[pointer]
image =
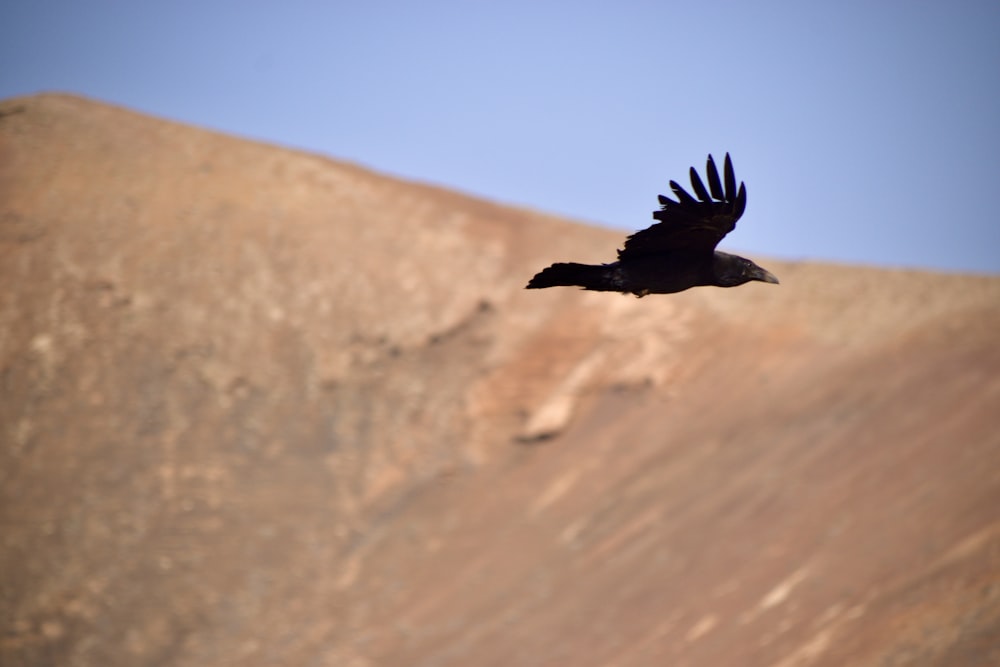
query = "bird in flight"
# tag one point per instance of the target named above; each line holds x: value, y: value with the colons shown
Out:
x: 678, y: 251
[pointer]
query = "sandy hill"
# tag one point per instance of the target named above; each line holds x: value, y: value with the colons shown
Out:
x: 265, y: 408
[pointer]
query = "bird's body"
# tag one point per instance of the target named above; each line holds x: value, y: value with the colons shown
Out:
x: 676, y: 253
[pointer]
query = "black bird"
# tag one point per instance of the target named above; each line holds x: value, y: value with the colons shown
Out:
x: 677, y: 252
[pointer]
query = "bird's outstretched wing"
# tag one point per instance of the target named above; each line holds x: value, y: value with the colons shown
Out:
x: 691, y: 224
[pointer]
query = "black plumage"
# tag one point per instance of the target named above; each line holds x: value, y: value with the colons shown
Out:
x: 678, y: 251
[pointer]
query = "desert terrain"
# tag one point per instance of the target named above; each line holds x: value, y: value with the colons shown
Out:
x: 261, y: 407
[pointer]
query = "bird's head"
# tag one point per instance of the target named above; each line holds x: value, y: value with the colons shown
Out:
x: 732, y: 270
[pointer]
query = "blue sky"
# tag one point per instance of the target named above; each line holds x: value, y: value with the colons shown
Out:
x: 866, y: 132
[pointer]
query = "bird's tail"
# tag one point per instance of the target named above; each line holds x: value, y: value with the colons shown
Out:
x: 587, y: 276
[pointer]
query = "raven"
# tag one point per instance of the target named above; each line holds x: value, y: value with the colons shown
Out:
x: 677, y: 252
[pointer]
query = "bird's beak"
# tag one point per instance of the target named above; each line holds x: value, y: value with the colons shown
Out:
x: 766, y: 276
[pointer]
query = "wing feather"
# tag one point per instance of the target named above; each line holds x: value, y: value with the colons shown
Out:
x: 699, y: 187
x: 682, y: 194
x: 689, y: 224
x: 713, y: 179
x: 730, y: 179
x: 740, y: 204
